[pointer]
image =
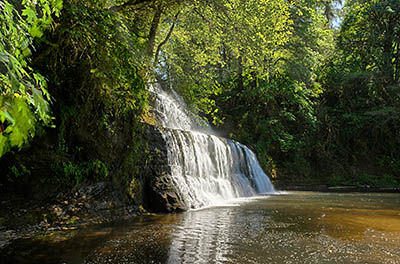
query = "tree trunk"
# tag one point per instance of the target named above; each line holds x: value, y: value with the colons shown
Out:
x: 388, y: 69
x: 166, y: 39
x: 240, y: 74
x: 153, y: 31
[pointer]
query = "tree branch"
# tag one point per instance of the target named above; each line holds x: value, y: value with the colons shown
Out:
x: 130, y: 3
x: 166, y: 38
x: 153, y: 31
x: 2, y: 127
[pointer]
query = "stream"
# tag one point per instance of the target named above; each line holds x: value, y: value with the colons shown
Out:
x: 290, y: 227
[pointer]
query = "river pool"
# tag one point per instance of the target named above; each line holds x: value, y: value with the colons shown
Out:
x: 291, y: 227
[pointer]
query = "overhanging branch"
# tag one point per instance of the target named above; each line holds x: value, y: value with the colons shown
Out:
x: 162, y: 43
x: 130, y: 3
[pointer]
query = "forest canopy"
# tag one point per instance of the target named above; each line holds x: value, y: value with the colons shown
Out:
x: 317, y: 99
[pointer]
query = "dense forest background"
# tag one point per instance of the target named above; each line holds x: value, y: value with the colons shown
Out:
x: 312, y: 86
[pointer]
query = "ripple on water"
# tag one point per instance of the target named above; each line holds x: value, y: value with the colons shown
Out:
x: 295, y: 227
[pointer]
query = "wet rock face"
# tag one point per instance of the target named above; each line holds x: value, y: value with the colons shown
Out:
x: 82, y: 205
x: 159, y: 193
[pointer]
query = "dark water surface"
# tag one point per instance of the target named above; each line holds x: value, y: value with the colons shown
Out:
x: 295, y: 227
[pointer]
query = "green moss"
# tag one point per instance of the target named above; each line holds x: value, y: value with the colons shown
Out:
x: 135, y: 191
x: 68, y: 172
x: 364, y: 179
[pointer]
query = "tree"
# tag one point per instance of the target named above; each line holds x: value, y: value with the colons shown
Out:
x: 24, y: 100
x: 310, y: 44
x: 330, y: 9
x: 145, y: 18
x: 359, y: 111
x: 370, y: 38
x: 214, y: 40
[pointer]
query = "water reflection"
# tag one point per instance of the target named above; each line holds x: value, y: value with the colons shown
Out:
x: 290, y: 228
x: 203, y: 237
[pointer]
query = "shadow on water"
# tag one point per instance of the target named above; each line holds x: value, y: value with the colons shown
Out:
x: 296, y: 227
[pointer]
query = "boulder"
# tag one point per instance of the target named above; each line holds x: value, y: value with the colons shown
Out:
x: 159, y: 192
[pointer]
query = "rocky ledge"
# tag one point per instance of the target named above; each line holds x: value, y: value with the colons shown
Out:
x: 348, y: 188
x: 63, y: 210
x: 38, y: 207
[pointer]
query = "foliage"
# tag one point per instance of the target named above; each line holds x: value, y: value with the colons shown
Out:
x: 215, y: 39
x: 24, y: 99
x: 359, y: 111
x: 96, y: 48
x: 312, y: 100
x: 68, y: 172
x: 144, y: 19
x: 375, y: 48
x: 275, y: 116
x: 17, y: 173
x: 135, y: 191
x: 310, y: 44
x: 95, y: 73
x: 253, y: 74
x: 387, y: 180
x: 306, y: 96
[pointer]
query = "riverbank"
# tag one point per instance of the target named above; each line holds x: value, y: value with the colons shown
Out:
x: 301, y: 227
x: 344, y: 189
x: 53, y: 208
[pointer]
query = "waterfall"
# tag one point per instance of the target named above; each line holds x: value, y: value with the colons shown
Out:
x: 205, y: 169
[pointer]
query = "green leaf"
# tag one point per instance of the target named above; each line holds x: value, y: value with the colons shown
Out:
x: 5, y: 115
x: 3, y: 144
x: 24, y: 98
x: 36, y: 31
x: 30, y: 14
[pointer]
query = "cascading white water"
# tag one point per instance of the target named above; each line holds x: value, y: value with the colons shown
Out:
x: 169, y: 110
x: 205, y: 169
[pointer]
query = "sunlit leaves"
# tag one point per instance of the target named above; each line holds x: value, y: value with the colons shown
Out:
x: 108, y: 52
x: 370, y: 37
x: 211, y: 37
x: 24, y: 98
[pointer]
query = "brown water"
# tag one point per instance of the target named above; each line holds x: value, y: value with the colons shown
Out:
x: 296, y: 227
